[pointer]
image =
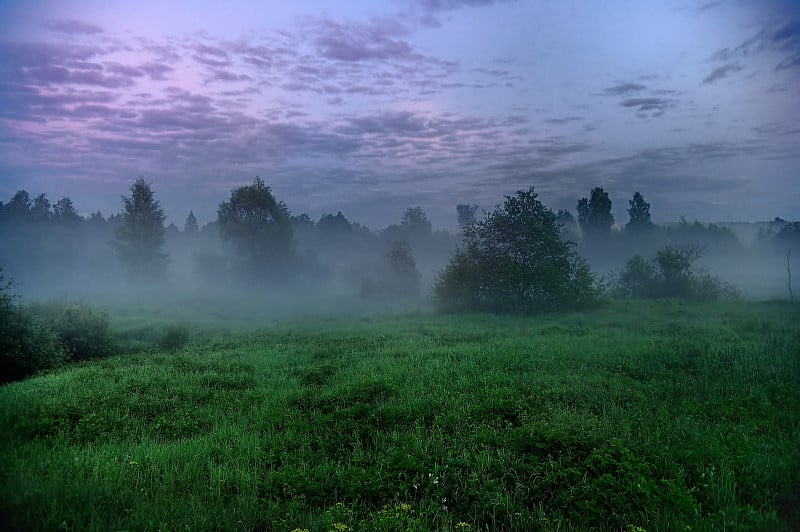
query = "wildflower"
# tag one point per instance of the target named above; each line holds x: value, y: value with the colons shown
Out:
x: 461, y: 525
x: 340, y: 527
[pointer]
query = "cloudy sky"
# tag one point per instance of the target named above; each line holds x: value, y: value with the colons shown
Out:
x: 371, y: 106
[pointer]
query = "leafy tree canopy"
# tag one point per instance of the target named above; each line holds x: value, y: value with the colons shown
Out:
x: 139, y: 236
x: 515, y: 260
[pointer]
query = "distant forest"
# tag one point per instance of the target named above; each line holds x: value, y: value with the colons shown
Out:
x: 50, y: 249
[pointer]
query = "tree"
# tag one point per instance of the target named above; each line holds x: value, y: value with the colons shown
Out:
x: 64, y: 212
x: 639, y: 213
x: 139, y: 236
x: 415, y: 222
x: 515, y: 261
x: 19, y: 207
x: 594, y: 214
x: 258, y: 226
x: 569, y: 228
x: 41, y: 209
x: 190, y: 227
x: 466, y: 215
x: 404, y: 278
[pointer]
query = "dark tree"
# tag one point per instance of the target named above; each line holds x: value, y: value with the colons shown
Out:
x: 139, y: 235
x: 190, y: 227
x: 258, y: 226
x: 594, y: 214
x: 404, y: 279
x: 639, y: 213
x: 415, y: 222
x: 41, y: 209
x: 466, y: 215
x: 331, y: 225
x: 19, y: 207
x: 64, y: 213
x: 569, y: 228
x: 515, y: 261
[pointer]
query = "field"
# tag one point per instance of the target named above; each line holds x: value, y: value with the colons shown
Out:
x: 654, y: 416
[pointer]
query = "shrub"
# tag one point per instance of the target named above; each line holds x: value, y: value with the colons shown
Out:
x: 82, y: 331
x: 671, y: 273
x: 174, y: 337
x: 515, y: 261
x: 26, y: 346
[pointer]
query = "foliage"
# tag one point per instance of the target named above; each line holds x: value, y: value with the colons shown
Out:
x: 466, y: 215
x: 259, y: 227
x: 515, y: 261
x: 568, y: 225
x: 671, y: 273
x: 139, y: 237
x: 400, y: 277
x: 639, y: 213
x: 26, y: 346
x: 82, y: 331
x: 190, y: 226
x: 594, y: 214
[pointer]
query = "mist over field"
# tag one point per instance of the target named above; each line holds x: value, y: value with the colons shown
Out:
x: 400, y: 265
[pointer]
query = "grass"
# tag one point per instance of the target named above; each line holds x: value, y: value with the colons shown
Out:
x: 663, y: 415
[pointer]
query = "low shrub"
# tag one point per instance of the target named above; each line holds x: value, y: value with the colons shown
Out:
x: 82, y: 331
x: 671, y: 273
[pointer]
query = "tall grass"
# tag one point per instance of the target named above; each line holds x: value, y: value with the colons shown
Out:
x: 655, y: 415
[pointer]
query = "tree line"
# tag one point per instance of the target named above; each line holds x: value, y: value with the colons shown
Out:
x: 520, y: 257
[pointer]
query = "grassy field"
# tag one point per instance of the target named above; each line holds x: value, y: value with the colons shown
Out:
x: 655, y: 416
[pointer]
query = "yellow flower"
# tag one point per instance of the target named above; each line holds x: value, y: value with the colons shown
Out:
x: 341, y: 527
x: 463, y: 525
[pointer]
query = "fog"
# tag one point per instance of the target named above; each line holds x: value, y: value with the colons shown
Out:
x: 333, y: 266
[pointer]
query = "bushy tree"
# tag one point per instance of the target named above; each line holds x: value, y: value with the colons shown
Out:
x: 415, y: 223
x: 594, y: 214
x: 670, y: 273
x: 139, y: 236
x: 514, y: 260
x: 639, y: 213
x: 259, y: 227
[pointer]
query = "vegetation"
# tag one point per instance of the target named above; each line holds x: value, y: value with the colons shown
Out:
x: 641, y: 415
x: 515, y: 261
x: 639, y: 212
x: 259, y: 227
x: 139, y: 238
x: 671, y: 273
x: 594, y: 215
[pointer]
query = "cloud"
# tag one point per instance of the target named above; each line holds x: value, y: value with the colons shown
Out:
x: 624, y: 89
x: 156, y: 71
x: 351, y: 41
x: 445, y: 5
x: 643, y: 105
x: 74, y: 27
x: 782, y: 40
x: 722, y: 72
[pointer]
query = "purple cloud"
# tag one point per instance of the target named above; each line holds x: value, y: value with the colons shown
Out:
x: 74, y: 27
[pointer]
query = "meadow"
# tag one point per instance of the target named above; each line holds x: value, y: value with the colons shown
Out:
x: 661, y: 415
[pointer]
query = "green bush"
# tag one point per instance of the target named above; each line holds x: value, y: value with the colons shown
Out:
x: 26, y: 345
x: 671, y: 273
x: 82, y: 331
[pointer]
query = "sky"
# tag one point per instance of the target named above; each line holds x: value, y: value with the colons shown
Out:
x: 367, y: 107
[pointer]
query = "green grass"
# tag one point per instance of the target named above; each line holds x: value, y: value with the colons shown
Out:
x: 659, y: 415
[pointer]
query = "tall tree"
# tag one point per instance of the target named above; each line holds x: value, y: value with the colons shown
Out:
x: 466, y: 215
x: 190, y: 226
x: 139, y: 237
x: 639, y: 213
x: 594, y: 214
x: 259, y: 227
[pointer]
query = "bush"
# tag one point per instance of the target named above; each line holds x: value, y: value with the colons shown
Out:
x: 175, y: 337
x: 515, y: 261
x: 26, y: 346
x: 82, y: 331
x: 671, y: 273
